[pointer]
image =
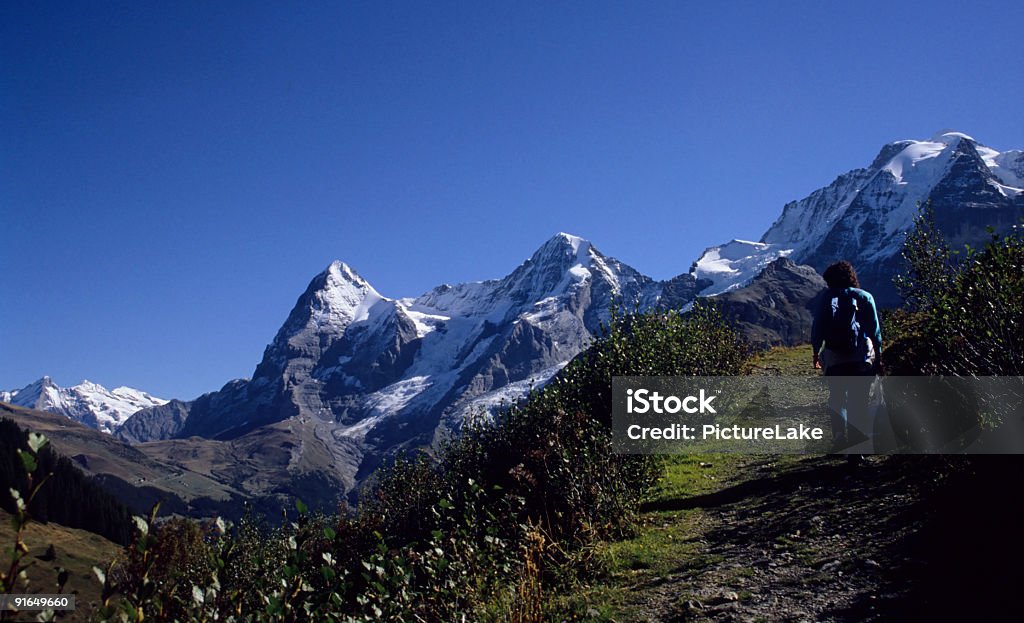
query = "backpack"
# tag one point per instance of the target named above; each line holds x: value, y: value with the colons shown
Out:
x: 844, y: 335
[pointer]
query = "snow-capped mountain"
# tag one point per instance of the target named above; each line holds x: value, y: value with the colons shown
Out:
x: 89, y: 403
x: 863, y: 215
x: 359, y: 374
x: 371, y: 363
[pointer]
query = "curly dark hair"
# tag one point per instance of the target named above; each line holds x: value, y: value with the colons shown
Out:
x: 841, y: 275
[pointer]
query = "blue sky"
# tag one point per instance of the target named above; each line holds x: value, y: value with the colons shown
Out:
x: 174, y: 173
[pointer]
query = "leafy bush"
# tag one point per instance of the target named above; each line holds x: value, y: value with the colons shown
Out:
x: 964, y: 318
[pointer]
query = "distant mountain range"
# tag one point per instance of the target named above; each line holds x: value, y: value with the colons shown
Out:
x: 88, y: 403
x: 353, y: 376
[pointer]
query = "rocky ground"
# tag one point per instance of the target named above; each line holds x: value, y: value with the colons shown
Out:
x: 808, y: 542
x: 815, y: 539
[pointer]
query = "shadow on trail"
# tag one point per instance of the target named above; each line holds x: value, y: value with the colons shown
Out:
x: 820, y: 473
x: 963, y: 563
x: 909, y: 537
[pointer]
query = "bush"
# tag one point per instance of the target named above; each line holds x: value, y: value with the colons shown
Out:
x: 963, y: 318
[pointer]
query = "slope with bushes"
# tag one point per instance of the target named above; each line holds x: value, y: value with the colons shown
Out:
x: 509, y: 512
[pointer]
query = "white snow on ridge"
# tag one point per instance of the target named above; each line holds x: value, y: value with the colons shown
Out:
x: 345, y: 298
x: 394, y: 397
x: 575, y: 242
x: 1008, y: 167
x: 425, y: 323
x: 488, y: 404
x: 88, y: 403
x: 112, y: 408
x: 916, y: 155
x: 465, y: 299
x: 489, y: 299
x: 735, y: 263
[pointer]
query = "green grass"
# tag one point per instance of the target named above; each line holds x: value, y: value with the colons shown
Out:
x: 784, y: 361
x: 667, y: 541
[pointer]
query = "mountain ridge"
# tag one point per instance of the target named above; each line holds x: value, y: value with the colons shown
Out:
x: 863, y: 214
x: 88, y: 402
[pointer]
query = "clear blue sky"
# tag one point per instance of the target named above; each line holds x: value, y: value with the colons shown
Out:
x: 174, y: 173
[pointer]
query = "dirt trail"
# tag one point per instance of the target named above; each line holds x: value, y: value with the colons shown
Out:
x: 818, y: 540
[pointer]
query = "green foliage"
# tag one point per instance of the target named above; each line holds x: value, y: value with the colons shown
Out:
x: 929, y: 263
x: 983, y: 314
x: 12, y: 575
x: 961, y: 319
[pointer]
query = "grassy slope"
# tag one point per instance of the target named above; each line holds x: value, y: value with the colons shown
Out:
x: 77, y: 551
x: 669, y: 540
x: 755, y: 538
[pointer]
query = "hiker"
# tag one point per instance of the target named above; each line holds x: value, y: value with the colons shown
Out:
x: 846, y: 324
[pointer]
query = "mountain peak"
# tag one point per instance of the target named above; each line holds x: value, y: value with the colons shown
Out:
x: 88, y: 402
x: 563, y: 245
x: 339, y: 271
x: 950, y: 137
x: 571, y: 240
x: 864, y: 213
x: 339, y: 295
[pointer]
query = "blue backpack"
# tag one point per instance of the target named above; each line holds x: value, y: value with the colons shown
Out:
x: 844, y: 335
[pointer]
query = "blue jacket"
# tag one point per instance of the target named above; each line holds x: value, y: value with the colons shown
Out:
x: 867, y: 316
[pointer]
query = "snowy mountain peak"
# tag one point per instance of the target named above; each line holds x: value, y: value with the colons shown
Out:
x: 89, y: 403
x: 340, y: 272
x: 335, y: 299
x: 863, y: 214
x: 928, y: 159
x: 950, y: 137
x: 733, y: 264
x: 552, y: 269
x: 561, y: 247
x: 574, y: 241
x: 341, y: 296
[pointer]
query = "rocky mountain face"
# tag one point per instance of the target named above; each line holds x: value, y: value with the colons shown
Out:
x: 864, y: 214
x: 88, y: 403
x: 775, y: 308
x: 155, y: 423
x: 374, y: 374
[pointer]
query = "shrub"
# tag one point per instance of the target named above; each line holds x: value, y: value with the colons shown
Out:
x: 964, y: 318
